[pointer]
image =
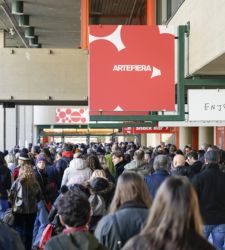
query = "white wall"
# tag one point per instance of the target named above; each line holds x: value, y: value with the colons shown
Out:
x: 207, y: 34
x: 36, y: 74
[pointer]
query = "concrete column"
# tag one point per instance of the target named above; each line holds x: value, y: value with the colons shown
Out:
x: 153, y: 140
x: 143, y: 139
x: 185, y: 137
x: 25, y: 126
x: 2, y: 39
x: 205, y: 135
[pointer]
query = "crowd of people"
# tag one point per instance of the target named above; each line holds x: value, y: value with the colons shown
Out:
x: 112, y: 196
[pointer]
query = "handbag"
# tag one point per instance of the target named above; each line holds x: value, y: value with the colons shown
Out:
x: 46, y: 236
x: 9, y: 217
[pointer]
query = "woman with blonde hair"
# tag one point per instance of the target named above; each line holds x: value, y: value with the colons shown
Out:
x: 174, y: 222
x: 127, y: 213
x: 24, y: 195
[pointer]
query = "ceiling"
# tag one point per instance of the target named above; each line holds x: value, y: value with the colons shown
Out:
x: 57, y: 23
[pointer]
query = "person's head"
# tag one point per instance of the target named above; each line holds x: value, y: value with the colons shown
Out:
x: 212, y: 156
x: 192, y: 157
x: 139, y: 155
x: 178, y: 160
x: 23, y: 157
x: 147, y: 155
x: 69, y: 209
x: 174, y: 213
x: 161, y: 162
x: 98, y: 173
x: 117, y: 157
x: 41, y: 161
x: 26, y: 173
x: 93, y: 162
x: 130, y: 187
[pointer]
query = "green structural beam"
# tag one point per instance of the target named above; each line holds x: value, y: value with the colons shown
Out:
x: 122, y: 125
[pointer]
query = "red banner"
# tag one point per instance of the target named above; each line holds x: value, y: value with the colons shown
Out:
x: 131, y: 69
x: 146, y: 130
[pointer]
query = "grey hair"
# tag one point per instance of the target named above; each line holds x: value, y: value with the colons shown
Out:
x: 161, y: 162
x: 212, y: 156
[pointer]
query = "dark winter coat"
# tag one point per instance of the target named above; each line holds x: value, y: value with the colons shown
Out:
x: 5, y: 181
x: 115, y: 229
x: 154, y: 180
x: 24, y: 197
x: 145, y: 242
x: 9, y: 239
x: 75, y: 241
x: 210, y: 187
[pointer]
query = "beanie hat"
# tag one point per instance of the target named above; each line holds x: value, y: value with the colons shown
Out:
x: 98, y: 184
x: 41, y: 157
x: 24, y: 156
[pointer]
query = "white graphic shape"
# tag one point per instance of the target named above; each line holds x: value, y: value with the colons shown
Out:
x: 155, y: 72
x: 163, y: 29
x: 114, y: 38
x: 118, y: 108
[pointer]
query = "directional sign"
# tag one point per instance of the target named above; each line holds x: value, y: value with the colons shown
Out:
x: 131, y: 68
x: 146, y: 130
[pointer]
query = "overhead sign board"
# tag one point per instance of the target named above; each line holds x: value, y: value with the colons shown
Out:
x: 72, y: 115
x: 146, y: 130
x: 131, y: 68
x: 206, y: 104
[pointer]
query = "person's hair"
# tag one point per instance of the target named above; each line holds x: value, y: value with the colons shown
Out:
x: 26, y: 173
x: 212, y: 156
x: 139, y: 154
x: 2, y: 160
x: 130, y: 187
x: 93, y: 162
x: 193, y: 154
x: 98, y: 173
x: 161, y: 162
x: 118, y: 153
x: 74, y: 208
x: 174, y: 214
x: 10, y: 158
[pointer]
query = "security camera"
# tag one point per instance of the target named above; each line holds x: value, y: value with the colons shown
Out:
x: 11, y: 31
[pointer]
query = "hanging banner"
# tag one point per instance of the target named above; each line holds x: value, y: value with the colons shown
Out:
x: 131, y: 68
x: 72, y: 115
x: 146, y: 130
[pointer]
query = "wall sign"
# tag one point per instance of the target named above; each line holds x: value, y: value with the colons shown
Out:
x: 131, y: 68
x: 206, y: 104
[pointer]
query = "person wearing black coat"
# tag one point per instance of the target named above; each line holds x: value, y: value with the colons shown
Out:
x: 210, y: 187
x: 5, y: 184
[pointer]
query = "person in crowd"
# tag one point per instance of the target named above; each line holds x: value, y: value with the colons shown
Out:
x: 93, y: 162
x: 9, y: 239
x: 75, y: 235
x: 128, y: 212
x: 174, y: 221
x: 180, y: 167
x: 5, y: 184
x: 11, y: 161
x: 23, y: 158
x: 77, y: 167
x: 63, y: 162
x: 194, y: 164
x: 139, y: 165
x: 43, y: 205
x: 153, y: 181
x: 24, y: 195
x: 108, y: 156
x: 118, y: 162
x: 210, y: 187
